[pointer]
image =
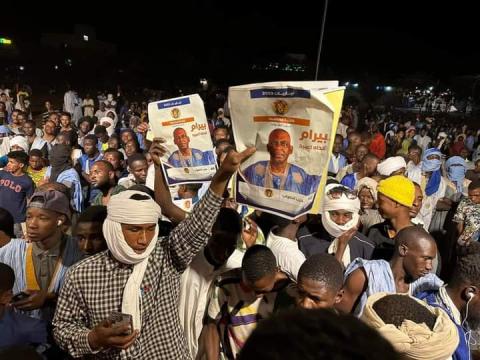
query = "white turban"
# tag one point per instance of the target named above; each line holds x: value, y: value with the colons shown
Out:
x: 343, y: 203
x: 109, y: 120
x: 122, y: 209
x: 368, y: 183
x: 390, y: 165
x: 20, y: 141
x: 335, y: 230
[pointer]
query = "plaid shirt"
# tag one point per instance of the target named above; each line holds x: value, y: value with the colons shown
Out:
x: 93, y: 288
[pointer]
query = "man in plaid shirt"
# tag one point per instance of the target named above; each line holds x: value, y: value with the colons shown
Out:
x: 94, y: 288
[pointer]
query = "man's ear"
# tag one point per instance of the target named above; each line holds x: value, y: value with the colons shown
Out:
x: 339, y: 296
x: 402, y: 250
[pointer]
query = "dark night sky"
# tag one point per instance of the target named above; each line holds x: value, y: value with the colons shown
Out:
x: 385, y: 37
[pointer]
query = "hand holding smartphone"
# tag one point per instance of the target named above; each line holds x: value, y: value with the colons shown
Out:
x: 119, y: 319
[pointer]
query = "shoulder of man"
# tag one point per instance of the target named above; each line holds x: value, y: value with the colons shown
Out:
x: 174, y: 156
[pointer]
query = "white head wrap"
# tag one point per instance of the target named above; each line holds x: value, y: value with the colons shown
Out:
x: 109, y: 120
x: 390, y: 165
x: 20, y: 141
x: 368, y: 183
x: 352, y: 205
x: 122, y: 209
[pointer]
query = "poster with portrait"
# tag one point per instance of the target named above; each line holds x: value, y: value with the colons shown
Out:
x: 183, y: 124
x: 291, y: 125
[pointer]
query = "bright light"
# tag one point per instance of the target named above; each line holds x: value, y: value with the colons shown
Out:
x: 430, y: 88
x: 56, y: 67
x: 21, y: 68
x: 85, y: 37
x: 355, y: 85
x: 388, y: 88
x: 347, y: 83
x: 203, y: 82
x: 5, y: 41
x: 68, y: 62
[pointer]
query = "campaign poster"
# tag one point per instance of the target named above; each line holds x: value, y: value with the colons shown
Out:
x: 290, y: 124
x: 183, y: 124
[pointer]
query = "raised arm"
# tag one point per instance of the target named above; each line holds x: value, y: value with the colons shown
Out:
x: 353, y: 288
x: 192, y: 234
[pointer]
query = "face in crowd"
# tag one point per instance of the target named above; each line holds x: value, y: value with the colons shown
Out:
x: 279, y: 146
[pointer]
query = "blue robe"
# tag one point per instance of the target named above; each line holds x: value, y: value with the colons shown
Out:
x: 198, y: 158
x: 297, y: 180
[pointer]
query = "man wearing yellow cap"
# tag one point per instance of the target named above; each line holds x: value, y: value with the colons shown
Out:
x: 396, y: 196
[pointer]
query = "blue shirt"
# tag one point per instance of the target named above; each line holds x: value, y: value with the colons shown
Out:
x: 297, y: 180
x: 342, y: 162
x: 198, y: 158
x: 87, y: 163
x: 349, y: 180
x: 20, y: 329
x: 14, y: 192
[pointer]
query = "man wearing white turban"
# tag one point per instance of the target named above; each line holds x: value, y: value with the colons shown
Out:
x: 394, y: 165
x: 138, y: 275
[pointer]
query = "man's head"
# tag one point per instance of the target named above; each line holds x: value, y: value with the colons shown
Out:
x: 35, y: 160
x: 88, y: 230
x: 49, y: 128
x: 474, y: 191
x: 279, y: 146
x: 84, y: 126
x: 47, y: 212
x: 131, y: 224
x: 29, y: 128
x: 340, y: 210
x: 415, y: 154
x: 417, y: 201
x: 259, y: 269
x: 181, y: 139
x: 126, y: 136
x: 131, y: 148
x: 90, y: 145
x: 65, y: 120
x: 320, y: 281
x: 102, y: 175
x: 7, y: 279
x: 360, y: 152
x: 396, y: 195
x: 138, y: 166
x: 354, y: 139
x: 19, y: 143
x: 6, y: 224
x: 417, y: 248
x: 220, y: 133
x: 102, y: 106
x: 101, y: 133
x: 21, y: 118
x: 115, y: 158
x: 17, y: 160
x: 15, y: 116
x: 225, y: 232
x: 220, y: 146
x: 54, y: 118
x: 394, y: 165
x: 338, y: 144
x: 369, y: 165
x: 465, y: 284
x: 114, y: 142
x: 423, y: 131
x: 300, y: 334
x: 477, y: 166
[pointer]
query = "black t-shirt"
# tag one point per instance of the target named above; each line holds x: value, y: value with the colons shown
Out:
x: 384, y: 245
x: 14, y: 192
x: 314, y: 239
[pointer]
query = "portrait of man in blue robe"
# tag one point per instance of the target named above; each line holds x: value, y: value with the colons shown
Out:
x: 186, y: 156
x: 278, y: 173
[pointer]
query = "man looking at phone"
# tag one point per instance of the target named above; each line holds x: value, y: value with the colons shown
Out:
x: 16, y: 328
x: 139, y: 275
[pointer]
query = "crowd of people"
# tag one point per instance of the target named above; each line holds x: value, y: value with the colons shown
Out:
x: 100, y: 259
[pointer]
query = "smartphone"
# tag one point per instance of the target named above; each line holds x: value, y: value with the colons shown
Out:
x: 118, y: 319
x: 20, y: 296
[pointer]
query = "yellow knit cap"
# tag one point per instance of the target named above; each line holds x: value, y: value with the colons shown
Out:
x: 398, y: 188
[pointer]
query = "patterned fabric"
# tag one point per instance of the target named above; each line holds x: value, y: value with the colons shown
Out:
x: 94, y: 288
x: 469, y: 213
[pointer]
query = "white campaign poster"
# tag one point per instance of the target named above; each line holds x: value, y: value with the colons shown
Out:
x: 290, y: 124
x: 183, y: 124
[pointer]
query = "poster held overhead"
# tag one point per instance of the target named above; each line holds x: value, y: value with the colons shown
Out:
x: 183, y: 124
x: 290, y: 124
